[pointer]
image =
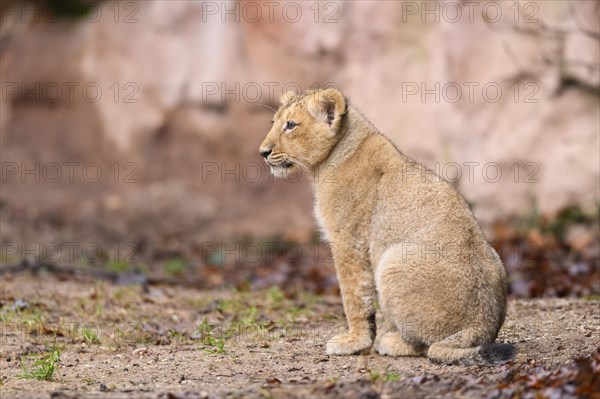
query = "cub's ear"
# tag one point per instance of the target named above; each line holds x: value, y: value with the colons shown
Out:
x: 287, y: 96
x: 328, y: 106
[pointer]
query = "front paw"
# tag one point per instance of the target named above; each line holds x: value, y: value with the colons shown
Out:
x: 346, y: 344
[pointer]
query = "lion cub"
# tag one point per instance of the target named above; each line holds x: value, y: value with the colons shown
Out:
x: 397, y: 230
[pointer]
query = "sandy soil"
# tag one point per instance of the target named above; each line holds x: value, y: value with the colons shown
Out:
x: 169, y: 342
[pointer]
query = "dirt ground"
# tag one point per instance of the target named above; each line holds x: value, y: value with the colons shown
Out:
x: 130, y: 341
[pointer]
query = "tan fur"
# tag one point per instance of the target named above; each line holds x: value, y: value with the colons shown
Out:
x: 399, y: 233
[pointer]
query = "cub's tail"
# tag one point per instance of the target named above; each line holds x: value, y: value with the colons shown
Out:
x: 488, y: 354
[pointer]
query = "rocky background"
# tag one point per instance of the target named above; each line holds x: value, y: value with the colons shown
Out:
x: 139, y: 121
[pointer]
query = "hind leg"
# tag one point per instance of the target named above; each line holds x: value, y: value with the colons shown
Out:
x: 389, y: 342
x: 463, y: 347
x: 389, y: 281
x: 392, y: 344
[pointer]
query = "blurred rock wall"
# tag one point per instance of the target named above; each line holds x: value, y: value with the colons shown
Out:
x: 170, y: 99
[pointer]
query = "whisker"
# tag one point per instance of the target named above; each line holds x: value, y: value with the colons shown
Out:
x: 295, y: 161
x: 266, y: 106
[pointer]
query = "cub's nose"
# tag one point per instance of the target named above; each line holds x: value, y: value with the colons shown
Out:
x: 265, y: 152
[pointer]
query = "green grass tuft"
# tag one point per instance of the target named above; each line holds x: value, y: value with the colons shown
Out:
x: 90, y: 336
x: 41, y: 367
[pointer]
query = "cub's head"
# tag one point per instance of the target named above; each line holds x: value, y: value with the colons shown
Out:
x: 305, y: 129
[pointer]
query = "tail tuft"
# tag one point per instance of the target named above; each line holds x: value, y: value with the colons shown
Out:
x: 497, y: 353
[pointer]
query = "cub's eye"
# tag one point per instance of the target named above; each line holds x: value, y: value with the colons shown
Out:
x: 290, y: 125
